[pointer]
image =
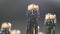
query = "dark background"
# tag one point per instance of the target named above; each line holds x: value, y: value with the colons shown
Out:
x: 14, y: 11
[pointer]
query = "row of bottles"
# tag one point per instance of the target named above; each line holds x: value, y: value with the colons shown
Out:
x: 32, y: 27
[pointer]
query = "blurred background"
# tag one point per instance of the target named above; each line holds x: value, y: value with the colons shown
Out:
x: 14, y: 11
